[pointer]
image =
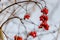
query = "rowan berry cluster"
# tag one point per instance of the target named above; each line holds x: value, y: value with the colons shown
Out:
x: 44, y: 19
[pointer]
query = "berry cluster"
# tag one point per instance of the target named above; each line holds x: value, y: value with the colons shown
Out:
x: 26, y: 16
x: 33, y: 34
x: 17, y: 38
x: 44, y: 19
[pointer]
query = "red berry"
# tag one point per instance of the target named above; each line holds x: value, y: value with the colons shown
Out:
x: 45, y: 25
x: 44, y: 10
x: 43, y: 18
x: 33, y: 34
x: 27, y: 16
x: 17, y: 38
x: 40, y: 26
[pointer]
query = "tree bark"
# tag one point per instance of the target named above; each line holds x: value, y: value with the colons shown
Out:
x: 1, y: 35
